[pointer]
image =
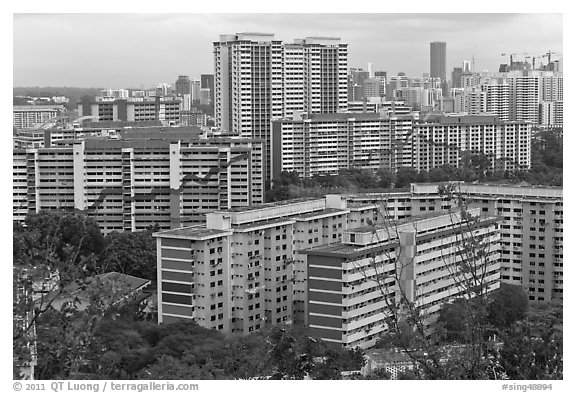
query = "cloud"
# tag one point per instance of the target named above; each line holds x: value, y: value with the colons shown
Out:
x: 130, y: 49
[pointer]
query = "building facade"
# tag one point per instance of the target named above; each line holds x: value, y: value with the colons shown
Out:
x: 28, y: 116
x: 531, y: 229
x: 134, y: 109
x: 351, y: 283
x: 183, y: 85
x: 258, y: 79
x: 325, y: 143
x: 134, y: 184
x: 438, y: 60
x: 242, y: 270
x: 505, y: 144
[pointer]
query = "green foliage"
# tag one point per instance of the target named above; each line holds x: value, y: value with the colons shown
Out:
x: 132, y: 253
x: 546, y: 170
x: 453, y: 319
x: 124, y: 348
x: 405, y: 176
x: 533, y: 347
x: 507, y: 305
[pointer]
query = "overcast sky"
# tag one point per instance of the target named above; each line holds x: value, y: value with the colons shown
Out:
x: 131, y: 50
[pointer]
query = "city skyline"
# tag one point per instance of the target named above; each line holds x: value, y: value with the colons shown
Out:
x: 403, y: 48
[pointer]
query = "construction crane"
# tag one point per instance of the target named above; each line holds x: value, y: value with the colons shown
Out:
x: 549, y: 55
x: 511, y: 56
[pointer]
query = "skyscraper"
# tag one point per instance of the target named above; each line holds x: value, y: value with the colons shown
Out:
x: 207, y: 82
x: 183, y: 85
x: 438, y: 60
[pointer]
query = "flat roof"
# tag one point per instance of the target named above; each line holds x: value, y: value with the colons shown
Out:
x: 269, y: 205
x: 263, y: 223
x: 191, y: 233
x: 319, y: 213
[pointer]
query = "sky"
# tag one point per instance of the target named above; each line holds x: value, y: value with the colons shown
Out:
x: 142, y: 50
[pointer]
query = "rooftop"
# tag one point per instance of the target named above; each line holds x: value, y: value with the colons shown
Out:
x: 193, y: 232
x: 270, y: 205
x: 167, y: 133
x: 36, y: 107
x: 319, y: 213
x: 261, y: 223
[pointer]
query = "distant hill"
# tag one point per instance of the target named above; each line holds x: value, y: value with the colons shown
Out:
x: 74, y: 93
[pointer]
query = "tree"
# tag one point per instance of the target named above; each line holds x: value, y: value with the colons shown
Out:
x: 385, y: 178
x: 132, y: 253
x: 53, y: 253
x: 452, y: 319
x: 405, y: 176
x: 507, y: 305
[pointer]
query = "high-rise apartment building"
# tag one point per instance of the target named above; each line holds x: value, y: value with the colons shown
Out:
x: 28, y: 116
x: 242, y: 269
x: 475, y: 102
x: 438, y: 60
x: 531, y: 228
x: 322, y: 144
x: 310, y: 260
x: 498, y: 98
x: 134, y: 109
x: 151, y: 177
x: 525, y: 95
x: 551, y: 114
x: 375, y: 87
x: 443, y: 141
x: 258, y: 79
x: 326, y: 143
x: 115, y: 93
x: 356, y: 79
x: 351, y: 283
x: 530, y: 90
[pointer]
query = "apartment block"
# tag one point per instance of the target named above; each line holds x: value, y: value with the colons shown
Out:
x: 551, y: 113
x: 497, y: 98
x: 133, y: 184
x: 390, y: 108
x: 505, y: 144
x: 29, y: 116
x: 351, y: 283
x: 133, y: 109
x: 532, y: 232
x: 258, y: 79
x: 318, y: 144
x: 241, y: 270
x: 532, y: 227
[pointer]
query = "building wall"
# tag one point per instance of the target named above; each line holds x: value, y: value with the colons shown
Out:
x: 258, y: 79
x: 269, y: 277
x: 28, y: 116
x: 131, y: 185
x: 348, y: 296
x: 531, y: 228
x: 324, y: 144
